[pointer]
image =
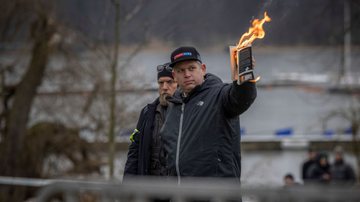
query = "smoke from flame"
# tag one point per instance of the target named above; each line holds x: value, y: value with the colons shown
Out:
x: 256, y: 31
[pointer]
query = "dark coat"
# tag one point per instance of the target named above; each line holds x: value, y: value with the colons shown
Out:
x: 305, y: 168
x: 201, y: 132
x: 342, y: 173
x: 139, y: 155
x: 317, y: 173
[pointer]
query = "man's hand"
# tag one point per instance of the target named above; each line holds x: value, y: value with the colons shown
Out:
x: 233, y: 63
x: 234, y: 67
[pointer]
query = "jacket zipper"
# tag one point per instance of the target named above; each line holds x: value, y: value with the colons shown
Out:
x: 178, y: 143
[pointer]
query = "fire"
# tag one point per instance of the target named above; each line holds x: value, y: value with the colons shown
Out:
x: 256, y: 31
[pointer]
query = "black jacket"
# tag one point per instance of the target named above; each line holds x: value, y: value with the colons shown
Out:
x: 317, y: 172
x: 139, y: 155
x: 305, y: 168
x: 201, y: 132
x: 342, y: 173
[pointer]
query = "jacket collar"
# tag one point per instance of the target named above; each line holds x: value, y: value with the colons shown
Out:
x: 209, y: 81
x: 154, y: 103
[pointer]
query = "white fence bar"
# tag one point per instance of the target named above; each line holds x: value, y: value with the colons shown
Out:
x: 30, y: 182
x: 201, y: 189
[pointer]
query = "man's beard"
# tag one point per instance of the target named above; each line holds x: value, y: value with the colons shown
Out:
x: 162, y: 99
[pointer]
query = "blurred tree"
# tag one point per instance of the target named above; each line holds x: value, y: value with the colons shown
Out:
x: 48, y: 35
x: 223, y: 22
x: 46, y: 140
x: 42, y: 30
x: 112, y: 104
x: 114, y: 73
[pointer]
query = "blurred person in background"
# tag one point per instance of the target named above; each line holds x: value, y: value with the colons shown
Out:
x: 319, y: 173
x: 289, y: 181
x: 144, y: 156
x: 341, y: 172
x: 308, y: 163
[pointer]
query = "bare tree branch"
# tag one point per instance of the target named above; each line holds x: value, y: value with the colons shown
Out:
x: 135, y: 10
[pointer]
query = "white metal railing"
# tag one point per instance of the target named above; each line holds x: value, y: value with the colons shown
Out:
x: 29, y: 182
x: 145, y: 189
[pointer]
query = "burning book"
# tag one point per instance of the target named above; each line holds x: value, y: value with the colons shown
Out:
x: 241, y: 55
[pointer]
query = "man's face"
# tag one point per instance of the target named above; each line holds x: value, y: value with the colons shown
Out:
x: 189, y: 74
x: 288, y: 181
x: 312, y: 155
x: 167, y: 87
x: 323, y: 161
x: 338, y: 156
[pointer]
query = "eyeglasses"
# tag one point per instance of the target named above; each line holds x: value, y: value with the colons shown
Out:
x: 161, y: 68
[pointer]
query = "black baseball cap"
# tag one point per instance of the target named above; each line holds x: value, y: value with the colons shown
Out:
x: 164, y: 70
x: 184, y: 53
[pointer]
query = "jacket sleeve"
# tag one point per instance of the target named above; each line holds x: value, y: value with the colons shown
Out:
x: 131, y: 166
x: 236, y: 99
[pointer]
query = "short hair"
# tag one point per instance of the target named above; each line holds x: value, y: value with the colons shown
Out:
x: 289, y: 175
x: 338, y: 149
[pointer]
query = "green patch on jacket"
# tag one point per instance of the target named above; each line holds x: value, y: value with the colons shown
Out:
x: 132, y: 136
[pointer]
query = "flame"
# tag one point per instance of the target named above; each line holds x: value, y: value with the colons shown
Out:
x: 256, y: 31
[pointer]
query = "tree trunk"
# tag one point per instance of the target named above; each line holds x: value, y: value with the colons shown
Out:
x: 16, y: 121
x: 112, y: 104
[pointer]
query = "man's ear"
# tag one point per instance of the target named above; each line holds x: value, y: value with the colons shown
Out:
x: 203, y: 68
x: 173, y: 74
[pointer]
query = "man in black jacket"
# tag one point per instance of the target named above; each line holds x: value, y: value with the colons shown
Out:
x: 341, y: 172
x: 201, y: 133
x: 144, y: 151
x: 312, y: 155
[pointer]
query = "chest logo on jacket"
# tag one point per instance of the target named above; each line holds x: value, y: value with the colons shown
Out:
x: 200, y: 103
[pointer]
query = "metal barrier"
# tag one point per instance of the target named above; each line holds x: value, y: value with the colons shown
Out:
x: 191, y: 189
x: 29, y: 182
